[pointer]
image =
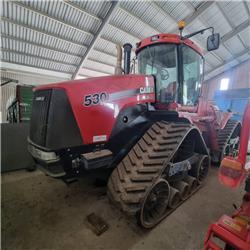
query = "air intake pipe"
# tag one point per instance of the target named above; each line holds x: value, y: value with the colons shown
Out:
x: 118, y: 67
x: 127, y: 55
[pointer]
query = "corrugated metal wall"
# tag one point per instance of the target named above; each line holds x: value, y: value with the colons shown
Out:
x: 239, y: 78
x: 8, y: 93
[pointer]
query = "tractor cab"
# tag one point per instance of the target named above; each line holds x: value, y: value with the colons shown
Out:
x: 177, y: 69
x: 176, y: 63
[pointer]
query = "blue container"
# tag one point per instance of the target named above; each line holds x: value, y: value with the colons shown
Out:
x: 234, y: 100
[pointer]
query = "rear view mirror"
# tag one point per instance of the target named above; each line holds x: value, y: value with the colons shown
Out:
x: 213, y: 42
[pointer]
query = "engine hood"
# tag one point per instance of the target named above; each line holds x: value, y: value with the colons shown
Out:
x: 93, y: 81
x: 97, y: 102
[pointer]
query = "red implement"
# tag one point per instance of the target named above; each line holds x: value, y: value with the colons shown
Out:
x: 234, y: 231
x: 232, y: 171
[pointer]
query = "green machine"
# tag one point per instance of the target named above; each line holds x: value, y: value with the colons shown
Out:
x: 20, y: 109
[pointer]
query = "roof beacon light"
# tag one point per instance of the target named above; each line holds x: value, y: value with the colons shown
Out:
x: 181, y: 24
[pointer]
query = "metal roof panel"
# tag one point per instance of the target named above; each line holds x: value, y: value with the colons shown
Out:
x: 102, y: 57
x: 98, y: 8
x: 224, y: 53
x: 67, y: 25
x: 213, y: 17
x: 98, y: 66
x: 234, y: 45
x: 245, y: 36
x: 235, y: 11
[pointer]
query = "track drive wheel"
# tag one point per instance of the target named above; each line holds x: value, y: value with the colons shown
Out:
x: 155, y: 203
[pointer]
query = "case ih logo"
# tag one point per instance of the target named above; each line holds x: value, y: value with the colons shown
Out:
x: 146, y: 90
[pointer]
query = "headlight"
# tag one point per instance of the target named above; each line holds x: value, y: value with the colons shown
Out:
x: 42, y: 155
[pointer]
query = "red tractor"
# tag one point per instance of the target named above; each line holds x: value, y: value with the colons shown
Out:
x: 153, y: 129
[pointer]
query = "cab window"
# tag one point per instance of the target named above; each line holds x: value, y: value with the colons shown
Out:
x: 192, y: 75
x: 160, y: 60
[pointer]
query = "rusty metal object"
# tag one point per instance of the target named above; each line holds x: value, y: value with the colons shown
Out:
x: 98, y: 225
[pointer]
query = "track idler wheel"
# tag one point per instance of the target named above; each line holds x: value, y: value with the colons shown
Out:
x: 155, y: 204
x: 174, y: 198
x: 183, y: 188
x: 200, y: 170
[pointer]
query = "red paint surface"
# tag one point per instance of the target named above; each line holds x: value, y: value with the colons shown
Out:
x: 244, y: 136
x: 231, y: 176
x: 207, y: 117
x: 239, y: 239
x: 100, y: 119
x: 230, y: 229
x: 169, y: 38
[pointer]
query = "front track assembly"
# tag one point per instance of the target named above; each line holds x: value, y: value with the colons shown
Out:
x: 155, y: 177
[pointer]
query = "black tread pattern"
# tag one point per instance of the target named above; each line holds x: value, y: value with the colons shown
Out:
x: 129, y: 181
x: 225, y: 134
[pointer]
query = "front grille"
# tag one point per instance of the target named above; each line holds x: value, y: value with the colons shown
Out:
x: 39, y: 117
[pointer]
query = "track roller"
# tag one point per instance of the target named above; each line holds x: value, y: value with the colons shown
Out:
x: 201, y: 170
x: 183, y: 188
x: 192, y: 182
x: 174, y: 198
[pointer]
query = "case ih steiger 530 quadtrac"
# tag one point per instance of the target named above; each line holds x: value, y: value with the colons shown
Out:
x: 153, y: 129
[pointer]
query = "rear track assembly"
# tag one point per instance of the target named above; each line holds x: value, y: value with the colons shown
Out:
x: 228, y: 139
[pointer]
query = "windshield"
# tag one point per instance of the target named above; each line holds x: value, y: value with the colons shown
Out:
x: 192, y: 75
x: 160, y: 60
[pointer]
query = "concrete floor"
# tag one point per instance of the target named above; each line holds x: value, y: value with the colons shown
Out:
x: 39, y: 212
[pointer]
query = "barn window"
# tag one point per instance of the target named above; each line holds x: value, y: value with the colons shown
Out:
x: 224, y: 84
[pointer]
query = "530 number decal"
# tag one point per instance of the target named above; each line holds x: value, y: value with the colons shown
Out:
x: 95, y: 99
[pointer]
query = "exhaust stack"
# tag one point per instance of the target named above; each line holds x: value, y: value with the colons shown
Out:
x: 118, y: 67
x: 127, y: 55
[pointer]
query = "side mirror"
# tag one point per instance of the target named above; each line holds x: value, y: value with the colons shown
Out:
x: 213, y: 42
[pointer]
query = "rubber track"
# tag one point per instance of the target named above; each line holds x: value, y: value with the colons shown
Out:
x: 144, y: 163
x: 225, y: 134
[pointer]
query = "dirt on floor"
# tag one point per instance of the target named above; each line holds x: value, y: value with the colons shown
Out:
x: 39, y: 212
